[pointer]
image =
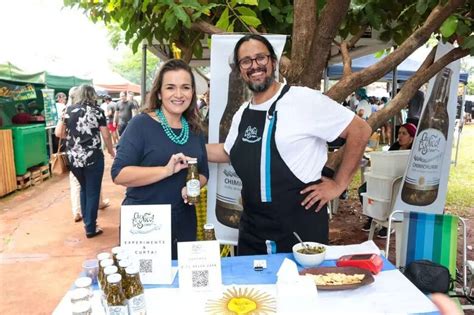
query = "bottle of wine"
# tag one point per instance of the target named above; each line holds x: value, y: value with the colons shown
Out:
x: 421, y: 184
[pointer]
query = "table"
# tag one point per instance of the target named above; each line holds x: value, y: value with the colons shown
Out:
x: 390, y: 293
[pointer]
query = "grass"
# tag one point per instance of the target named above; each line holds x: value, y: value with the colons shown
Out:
x: 460, y: 196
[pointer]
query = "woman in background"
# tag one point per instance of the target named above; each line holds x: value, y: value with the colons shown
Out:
x: 152, y: 153
x: 82, y: 125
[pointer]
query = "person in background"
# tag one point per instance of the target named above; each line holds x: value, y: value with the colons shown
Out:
x: 124, y: 113
x: 415, y: 105
x: 406, y: 135
x: 110, y: 109
x: 364, y: 109
x: 277, y: 146
x: 61, y: 100
x: 22, y: 117
x: 82, y: 125
x: 131, y: 99
x: 152, y: 155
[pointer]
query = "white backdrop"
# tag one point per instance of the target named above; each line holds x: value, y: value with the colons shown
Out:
x: 221, y: 56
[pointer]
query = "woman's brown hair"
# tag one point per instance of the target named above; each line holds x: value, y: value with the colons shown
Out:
x: 154, y: 101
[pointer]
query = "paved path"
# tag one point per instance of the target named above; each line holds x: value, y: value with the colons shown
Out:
x: 42, y: 248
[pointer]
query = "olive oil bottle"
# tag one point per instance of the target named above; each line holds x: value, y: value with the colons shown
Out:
x: 193, y: 185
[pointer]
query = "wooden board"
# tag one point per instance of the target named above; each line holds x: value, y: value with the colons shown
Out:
x: 7, y: 163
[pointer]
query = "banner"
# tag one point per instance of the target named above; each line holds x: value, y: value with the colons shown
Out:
x: 227, y: 93
x: 50, y: 115
x: 425, y: 183
x: 12, y: 93
x: 145, y: 233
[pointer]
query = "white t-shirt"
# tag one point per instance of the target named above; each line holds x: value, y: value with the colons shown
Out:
x: 307, y: 119
x: 59, y: 110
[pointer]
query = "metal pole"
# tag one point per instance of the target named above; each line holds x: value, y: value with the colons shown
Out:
x: 143, y: 79
x: 394, y: 93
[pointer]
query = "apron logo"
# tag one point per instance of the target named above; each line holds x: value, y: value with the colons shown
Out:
x: 250, y: 135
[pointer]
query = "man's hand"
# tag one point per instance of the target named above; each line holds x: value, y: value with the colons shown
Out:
x: 322, y: 192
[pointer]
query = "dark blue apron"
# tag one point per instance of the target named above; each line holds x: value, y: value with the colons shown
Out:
x: 270, y: 191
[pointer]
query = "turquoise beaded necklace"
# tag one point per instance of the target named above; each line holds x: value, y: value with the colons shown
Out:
x: 180, y: 139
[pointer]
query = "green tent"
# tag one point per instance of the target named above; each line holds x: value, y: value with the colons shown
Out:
x: 10, y: 72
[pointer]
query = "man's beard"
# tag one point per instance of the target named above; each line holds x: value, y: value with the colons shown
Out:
x: 259, y: 87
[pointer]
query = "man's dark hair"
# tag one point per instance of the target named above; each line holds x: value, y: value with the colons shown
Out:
x: 248, y: 37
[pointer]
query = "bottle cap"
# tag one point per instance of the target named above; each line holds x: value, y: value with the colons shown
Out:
x: 79, y: 294
x: 114, y: 278
x: 208, y: 226
x: 83, y: 282
x: 132, y: 269
x: 110, y: 270
x: 117, y: 250
x: 106, y: 262
x: 192, y: 160
x: 124, y: 263
x: 103, y: 256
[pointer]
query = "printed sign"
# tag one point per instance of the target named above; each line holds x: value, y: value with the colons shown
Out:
x: 199, y: 265
x: 12, y: 92
x: 50, y: 114
x: 145, y: 233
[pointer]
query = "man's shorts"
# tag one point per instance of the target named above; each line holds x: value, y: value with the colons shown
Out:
x: 111, y: 127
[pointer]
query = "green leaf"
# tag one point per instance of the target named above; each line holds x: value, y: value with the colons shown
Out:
x: 263, y: 5
x: 462, y: 28
x: 233, y: 3
x: 251, y: 20
x: 449, y: 26
x: 231, y: 26
x: 379, y: 53
x: 245, y: 11
x: 223, y: 21
x: 181, y: 15
x: 421, y: 6
x: 468, y: 43
x: 248, y: 2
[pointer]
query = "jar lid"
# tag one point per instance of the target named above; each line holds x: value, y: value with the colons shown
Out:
x: 114, y: 278
x: 110, y: 270
x: 81, y: 307
x: 103, y: 256
x: 117, y: 250
x: 122, y: 255
x: 132, y: 269
x: 106, y: 262
x: 79, y: 293
x: 124, y: 263
x: 208, y: 226
x: 83, y: 282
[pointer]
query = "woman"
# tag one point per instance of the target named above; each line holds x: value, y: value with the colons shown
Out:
x: 406, y: 135
x: 82, y: 125
x: 153, y: 151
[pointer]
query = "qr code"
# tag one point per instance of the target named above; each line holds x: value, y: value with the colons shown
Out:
x: 200, y: 278
x: 146, y: 266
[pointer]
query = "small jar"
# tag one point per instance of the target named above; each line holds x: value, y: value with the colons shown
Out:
x: 82, y: 308
x: 86, y: 283
x: 209, y: 233
x: 115, y: 251
x: 103, y: 256
x: 79, y: 294
x: 104, y: 263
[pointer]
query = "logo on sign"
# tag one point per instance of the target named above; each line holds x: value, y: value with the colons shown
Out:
x: 143, y: 223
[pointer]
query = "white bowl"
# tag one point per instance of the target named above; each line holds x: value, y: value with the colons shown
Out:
x: 309, y: 260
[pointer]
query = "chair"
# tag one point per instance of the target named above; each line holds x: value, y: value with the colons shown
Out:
x: 430, y: 236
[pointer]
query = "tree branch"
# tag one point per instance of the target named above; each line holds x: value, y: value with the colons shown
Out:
x: 346, y: 58
x: 304, y: 25
x: 205, y: 27
x: 348, y: 84
x: 330, y: 19
x: 354, y: 39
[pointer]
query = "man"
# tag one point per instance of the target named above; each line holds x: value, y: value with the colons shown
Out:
x: 22, y: 117
x: 277, y: 146
x: 364, y: 109
x: 124, y: 113
x: 61, y: 100
x: 415, y: 104
x: 109, y: 109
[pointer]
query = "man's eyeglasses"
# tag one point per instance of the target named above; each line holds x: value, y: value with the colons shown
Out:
x: 261, y: 60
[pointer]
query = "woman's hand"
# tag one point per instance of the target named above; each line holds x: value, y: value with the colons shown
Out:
x: 184, y: 194
x: 176, y: 163
x: 322, y: 192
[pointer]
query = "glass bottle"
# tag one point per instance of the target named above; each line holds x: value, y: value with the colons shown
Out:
x: 123, y: 264
x: 193, y: 185
x: 116, y: 301
x: 421, y: 184
x: 103, y: 263
x: 228, y: 198
x: 209, y: 233
x: 116, y: 250
x: 109, y: 270
x: 135, y: 292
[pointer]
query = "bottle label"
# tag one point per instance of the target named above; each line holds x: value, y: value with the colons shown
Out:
x: 424, y: 171
x: 193, y: 186
x: 136, y: 305
x: 117, y: 310
x: 229, y: 200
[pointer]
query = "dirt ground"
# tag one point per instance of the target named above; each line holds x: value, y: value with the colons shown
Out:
x: 42, y: 249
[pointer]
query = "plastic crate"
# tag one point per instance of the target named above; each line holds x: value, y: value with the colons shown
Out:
x: 389, y: 163
x: 379, y: 186
x: 376, y: 208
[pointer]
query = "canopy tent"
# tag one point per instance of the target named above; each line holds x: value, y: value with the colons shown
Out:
x: 404, y: 70
x: 113, y: 83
